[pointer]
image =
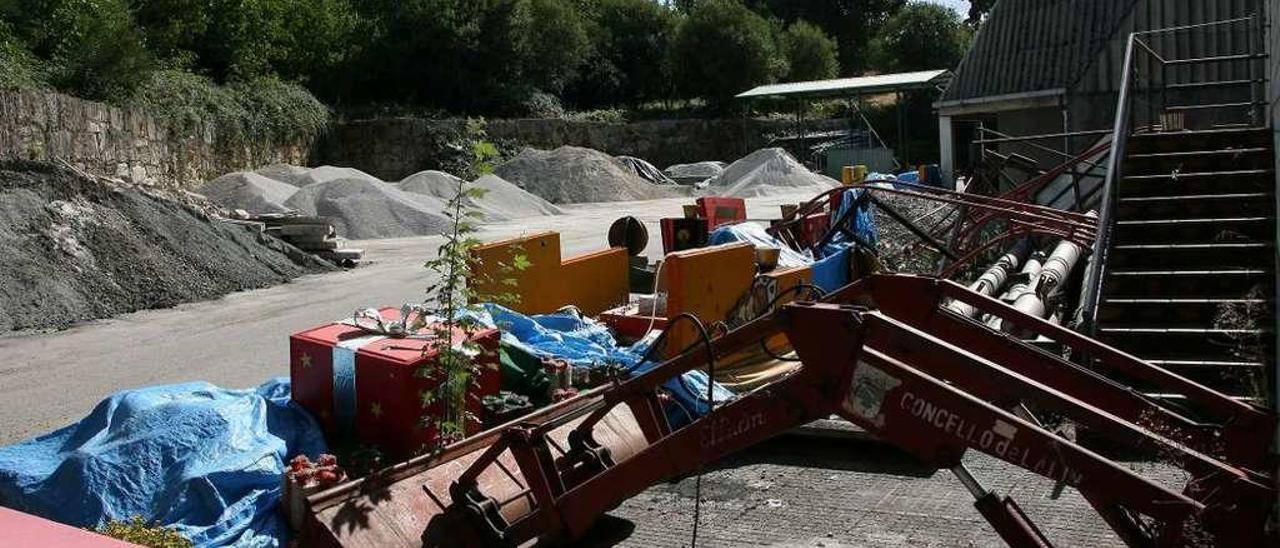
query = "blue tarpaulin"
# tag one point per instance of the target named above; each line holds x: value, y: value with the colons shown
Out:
x: 203, y: 459
x: 583, y: 342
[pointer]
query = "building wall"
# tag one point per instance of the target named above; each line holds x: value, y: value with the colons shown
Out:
x: 1037, y: 121
x: 123, y: 143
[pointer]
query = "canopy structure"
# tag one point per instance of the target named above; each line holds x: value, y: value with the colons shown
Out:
x: 844, y: 87
x: 851, y: 90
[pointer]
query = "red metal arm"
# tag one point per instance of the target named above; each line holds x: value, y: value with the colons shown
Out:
x: 927, y: 381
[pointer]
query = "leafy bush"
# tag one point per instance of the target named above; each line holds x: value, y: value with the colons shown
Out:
x: 723, y: 49
x: 922, y: 36
x: 540, y: 104
x: 139, y: 532
x: 265, y: 109
x: 89, y: 47
x: 811, y: 54
x: 18, y: 67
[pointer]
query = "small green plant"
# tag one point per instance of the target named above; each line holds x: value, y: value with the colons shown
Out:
x: 453, y: 296
x: 139, y: 532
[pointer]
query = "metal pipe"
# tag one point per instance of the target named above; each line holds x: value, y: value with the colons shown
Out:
x: 994, y: 278
x: 1016, y: 296
x: 968, y: 481
x: 1059, y: 266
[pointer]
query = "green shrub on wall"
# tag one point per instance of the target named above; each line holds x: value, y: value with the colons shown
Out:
x: 18, y: 67
x: 261, y: 111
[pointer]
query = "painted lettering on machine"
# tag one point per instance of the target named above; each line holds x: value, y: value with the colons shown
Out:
x: 871, y: 386
x: 719, y: 430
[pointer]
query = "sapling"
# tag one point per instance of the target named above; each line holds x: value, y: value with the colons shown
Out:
x: 454, y: 299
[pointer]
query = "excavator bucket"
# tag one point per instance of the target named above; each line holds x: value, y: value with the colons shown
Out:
x: 406, y: 505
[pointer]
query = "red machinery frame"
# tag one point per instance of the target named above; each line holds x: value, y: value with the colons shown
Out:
x: 977, y: 211
x: 890, y: 358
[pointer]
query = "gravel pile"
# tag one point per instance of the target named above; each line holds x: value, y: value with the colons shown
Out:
x: 688, y: 174
x: 768, y: 172
x: 900, y: 250
x: 323, y: 174
x: 501, y: 201
x: 365, y: 208
x: 79, y: 249
x: 569, y: 175
x: 249, y: 191
x: 284, y: 173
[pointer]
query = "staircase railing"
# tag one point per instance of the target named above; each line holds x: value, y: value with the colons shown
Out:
x: 1148, y: 78
x: 1110, y: 194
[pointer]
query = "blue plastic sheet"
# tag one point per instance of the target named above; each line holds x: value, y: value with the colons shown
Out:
x: 584, y: 342
x: 203, y: 459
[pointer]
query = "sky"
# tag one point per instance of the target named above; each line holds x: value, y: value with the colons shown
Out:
x: 959, y: 5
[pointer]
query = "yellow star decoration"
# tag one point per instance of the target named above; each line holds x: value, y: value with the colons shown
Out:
x: 376, y: 409
x: 305, y: 360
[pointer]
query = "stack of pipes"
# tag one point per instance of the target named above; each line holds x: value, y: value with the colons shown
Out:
x: 1036, y: 289
x: 994, y: 278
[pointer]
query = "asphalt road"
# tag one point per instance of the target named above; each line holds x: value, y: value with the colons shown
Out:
x: 48, y: 380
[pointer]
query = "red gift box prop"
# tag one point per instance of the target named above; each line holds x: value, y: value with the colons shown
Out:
x: 365, y: 386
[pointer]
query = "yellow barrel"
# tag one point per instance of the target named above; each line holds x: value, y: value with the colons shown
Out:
x: 853, y: 174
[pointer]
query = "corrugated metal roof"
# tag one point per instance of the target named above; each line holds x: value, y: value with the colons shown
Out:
x: 1036, y: 45
x: 853, y: 86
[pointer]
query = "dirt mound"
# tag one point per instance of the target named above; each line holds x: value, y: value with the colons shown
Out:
x: 78, y: 249
x: 501, y: 201
x: 687, y: 174
x: 249, y: 191
x: 569, y: 175
x: 362, y: 208
x: 768, y: 172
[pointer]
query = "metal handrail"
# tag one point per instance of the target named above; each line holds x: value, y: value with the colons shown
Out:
x: 1122, y: 128
x: 1106, y: 214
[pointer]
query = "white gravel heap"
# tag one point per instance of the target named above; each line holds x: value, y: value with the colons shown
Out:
x: 501, y: 201
x: 324, y: 174
x: 284, y: 173
x: 569, y: 175
x: 249, y: 191
x: 366, y: 208
x: 768, y: 172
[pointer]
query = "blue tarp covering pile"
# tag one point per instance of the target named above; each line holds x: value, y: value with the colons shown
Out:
x: 205, y: 460
x: 583, y: 342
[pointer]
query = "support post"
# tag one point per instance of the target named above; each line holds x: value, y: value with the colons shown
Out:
x: 946, y: 149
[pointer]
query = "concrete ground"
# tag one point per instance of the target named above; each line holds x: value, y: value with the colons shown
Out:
x: 787, y: 492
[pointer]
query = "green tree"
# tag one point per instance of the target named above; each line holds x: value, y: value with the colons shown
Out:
x: 554, y: 43
x: 850, y: 22
x: 811, y: 54
x: 89, y: 47
x: 629, y: 59
x: 978, y: 10
x: 722, y: 49
x: 922, y: 36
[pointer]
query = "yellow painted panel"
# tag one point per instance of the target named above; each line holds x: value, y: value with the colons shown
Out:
x: 596, y: 281
x: 539, y: 286
x: 706, y: 282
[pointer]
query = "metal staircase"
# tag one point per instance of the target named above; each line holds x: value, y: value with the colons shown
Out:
x: 1189, y: 284
x: 1187, y: 270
